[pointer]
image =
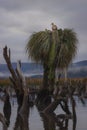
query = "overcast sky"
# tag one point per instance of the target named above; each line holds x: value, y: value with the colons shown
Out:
x: 20, y: 18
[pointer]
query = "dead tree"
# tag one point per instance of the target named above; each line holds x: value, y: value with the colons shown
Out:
x: 15, y: 78
x: 21, y: 90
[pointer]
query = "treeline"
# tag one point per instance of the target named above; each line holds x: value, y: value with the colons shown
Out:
x: 38, y: 81
x: 30, y: 81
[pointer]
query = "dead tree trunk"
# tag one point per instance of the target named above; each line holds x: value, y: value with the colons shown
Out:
x: 15, y: 77
x: 51, y: 108
x: 21, y: 91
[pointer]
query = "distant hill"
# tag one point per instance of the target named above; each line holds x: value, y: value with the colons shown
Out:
x: 75, y: 70
x: 29, y: 69
x: 79, y: 64
x: 78, y: 69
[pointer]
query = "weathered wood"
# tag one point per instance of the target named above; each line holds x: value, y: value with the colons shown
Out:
x: 9, y: 65
x: 15, y: 76
x: 19, y: 84
x: 51, y: 108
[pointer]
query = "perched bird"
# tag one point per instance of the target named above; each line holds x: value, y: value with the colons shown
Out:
x: 54, y: 27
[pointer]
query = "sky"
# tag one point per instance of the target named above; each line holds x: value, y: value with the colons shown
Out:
x: 20, y: 18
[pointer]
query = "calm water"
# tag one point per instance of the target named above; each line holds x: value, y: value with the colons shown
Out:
x: 36, y: 121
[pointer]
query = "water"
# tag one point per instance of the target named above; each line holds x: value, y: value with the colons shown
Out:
x: 36, y: 121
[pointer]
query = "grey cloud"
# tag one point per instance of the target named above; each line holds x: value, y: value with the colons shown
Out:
x: 20, y: 18
x: 12, y: 5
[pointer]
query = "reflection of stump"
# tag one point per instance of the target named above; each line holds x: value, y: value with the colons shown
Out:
x: 3, y: 121
x: 48, y: 121
x: 23, y: 113
x: 7, y: 108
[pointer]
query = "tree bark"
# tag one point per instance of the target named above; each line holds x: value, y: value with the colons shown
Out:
x: 21, y: 91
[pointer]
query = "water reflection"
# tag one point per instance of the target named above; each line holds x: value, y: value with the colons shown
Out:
x: 21, y: 123
x: 48, y: 122
x: 52, y: 122
x: 40, y: 121
x: 23, y: 114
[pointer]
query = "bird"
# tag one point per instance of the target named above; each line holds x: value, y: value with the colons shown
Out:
x: 54, y: 27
